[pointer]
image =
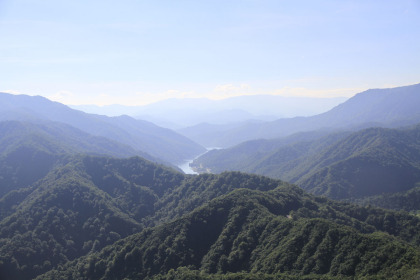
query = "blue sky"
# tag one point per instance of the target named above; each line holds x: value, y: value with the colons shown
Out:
x: 136, y: 52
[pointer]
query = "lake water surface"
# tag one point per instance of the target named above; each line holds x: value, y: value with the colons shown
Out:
x: 185, y: 166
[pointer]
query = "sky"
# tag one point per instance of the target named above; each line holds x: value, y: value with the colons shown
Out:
x: 135, y: 52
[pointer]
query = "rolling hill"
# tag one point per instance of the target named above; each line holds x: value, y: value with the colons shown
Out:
x: 340, y: 165
x: 28, y: 151
x: 74, y: 205
x: 182, y: 112
x: 97, y: 217
x: 144, y: 136
x: 390, y: 107
x: 247, y: 232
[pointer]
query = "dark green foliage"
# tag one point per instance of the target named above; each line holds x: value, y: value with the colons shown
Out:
x: 28, y: 151
x: 250, y: 232
x: 63, y: 218
x: 370, y: 162
x: 24, y: 166
x: 106, y: 218
x: 11, y: 200
x: 197, y: 190
x: 81, y: 207
x: 342, y: 165
x: 407, y: 201
x: 184, y: 273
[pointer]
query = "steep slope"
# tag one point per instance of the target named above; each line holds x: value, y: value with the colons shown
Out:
x: 91, y: 201
x: 375, y: 107
x: 140, y: 135
x: 28, y: 151
x: 63, y: 218
x: 251, y: 231
x: 341, y: 165
x: 94, y: 217
x: 370, y: 162
x: 60, y: 138
x: 83, y: 206
x: 406, y: 200
x: 266, y: 156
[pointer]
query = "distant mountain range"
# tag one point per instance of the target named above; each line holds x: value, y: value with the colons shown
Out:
x: 391, y: 107
x: 75, y: 205
x: 143, y: 136
x: 179, y: 113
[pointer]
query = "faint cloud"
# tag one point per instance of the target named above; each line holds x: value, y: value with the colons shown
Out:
x: 317, y: 93
x: 11, y: 91
x: 62, y: 96
x: 172, y: 91
x: 229, y: 90
x: 189, y: 94
x: 231, y: 87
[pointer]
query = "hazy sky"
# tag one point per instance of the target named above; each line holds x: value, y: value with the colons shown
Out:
x: 134, y: 52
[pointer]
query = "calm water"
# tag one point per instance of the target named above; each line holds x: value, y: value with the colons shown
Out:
x: 186, y: 165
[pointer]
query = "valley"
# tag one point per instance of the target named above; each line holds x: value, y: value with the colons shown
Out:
x: 209, y: 140
x: 78, y: 201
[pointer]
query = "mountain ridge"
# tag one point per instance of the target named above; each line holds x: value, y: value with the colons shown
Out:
x: 141, y: 135
x: 391, y: 107
x: 342, y: 165
x: 178, y: 113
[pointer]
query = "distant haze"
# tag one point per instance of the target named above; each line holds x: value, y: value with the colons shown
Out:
x: 176, y: 113
x: 138, y: 52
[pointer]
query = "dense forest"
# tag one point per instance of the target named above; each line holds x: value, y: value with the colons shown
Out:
x: 96, y: 217
x: 356, y: 166
x: 81, y: 199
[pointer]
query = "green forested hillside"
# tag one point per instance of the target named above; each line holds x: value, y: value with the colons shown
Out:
x: 59, y: 138
x: 406, y: 200
x: 342, y: 165
x: 83, y: 206
x: 144, y: 136
x: 268, y: 157
x: 28, y: 151
x: 95, y: 217
x: 257, y: 232
x: 369, y: 162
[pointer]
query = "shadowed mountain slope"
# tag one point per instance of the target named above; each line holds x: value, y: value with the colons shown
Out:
x: 341, y: 165
x: 28, y: 151
x: 155, y: 219
x: 143, y: 136
x: 375, y: 107
x: 250, y: 231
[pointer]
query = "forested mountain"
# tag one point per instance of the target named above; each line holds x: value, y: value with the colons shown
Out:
x: 92, y: 217
x: 84, y: 205
x: 341, y: 165
x: 405, y: 200
x: 277, y: 231
x: 28, y: 151
x: 70, y: 211
x: 391, y: 107
x: 59, y: 138
x: 140, y: 135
